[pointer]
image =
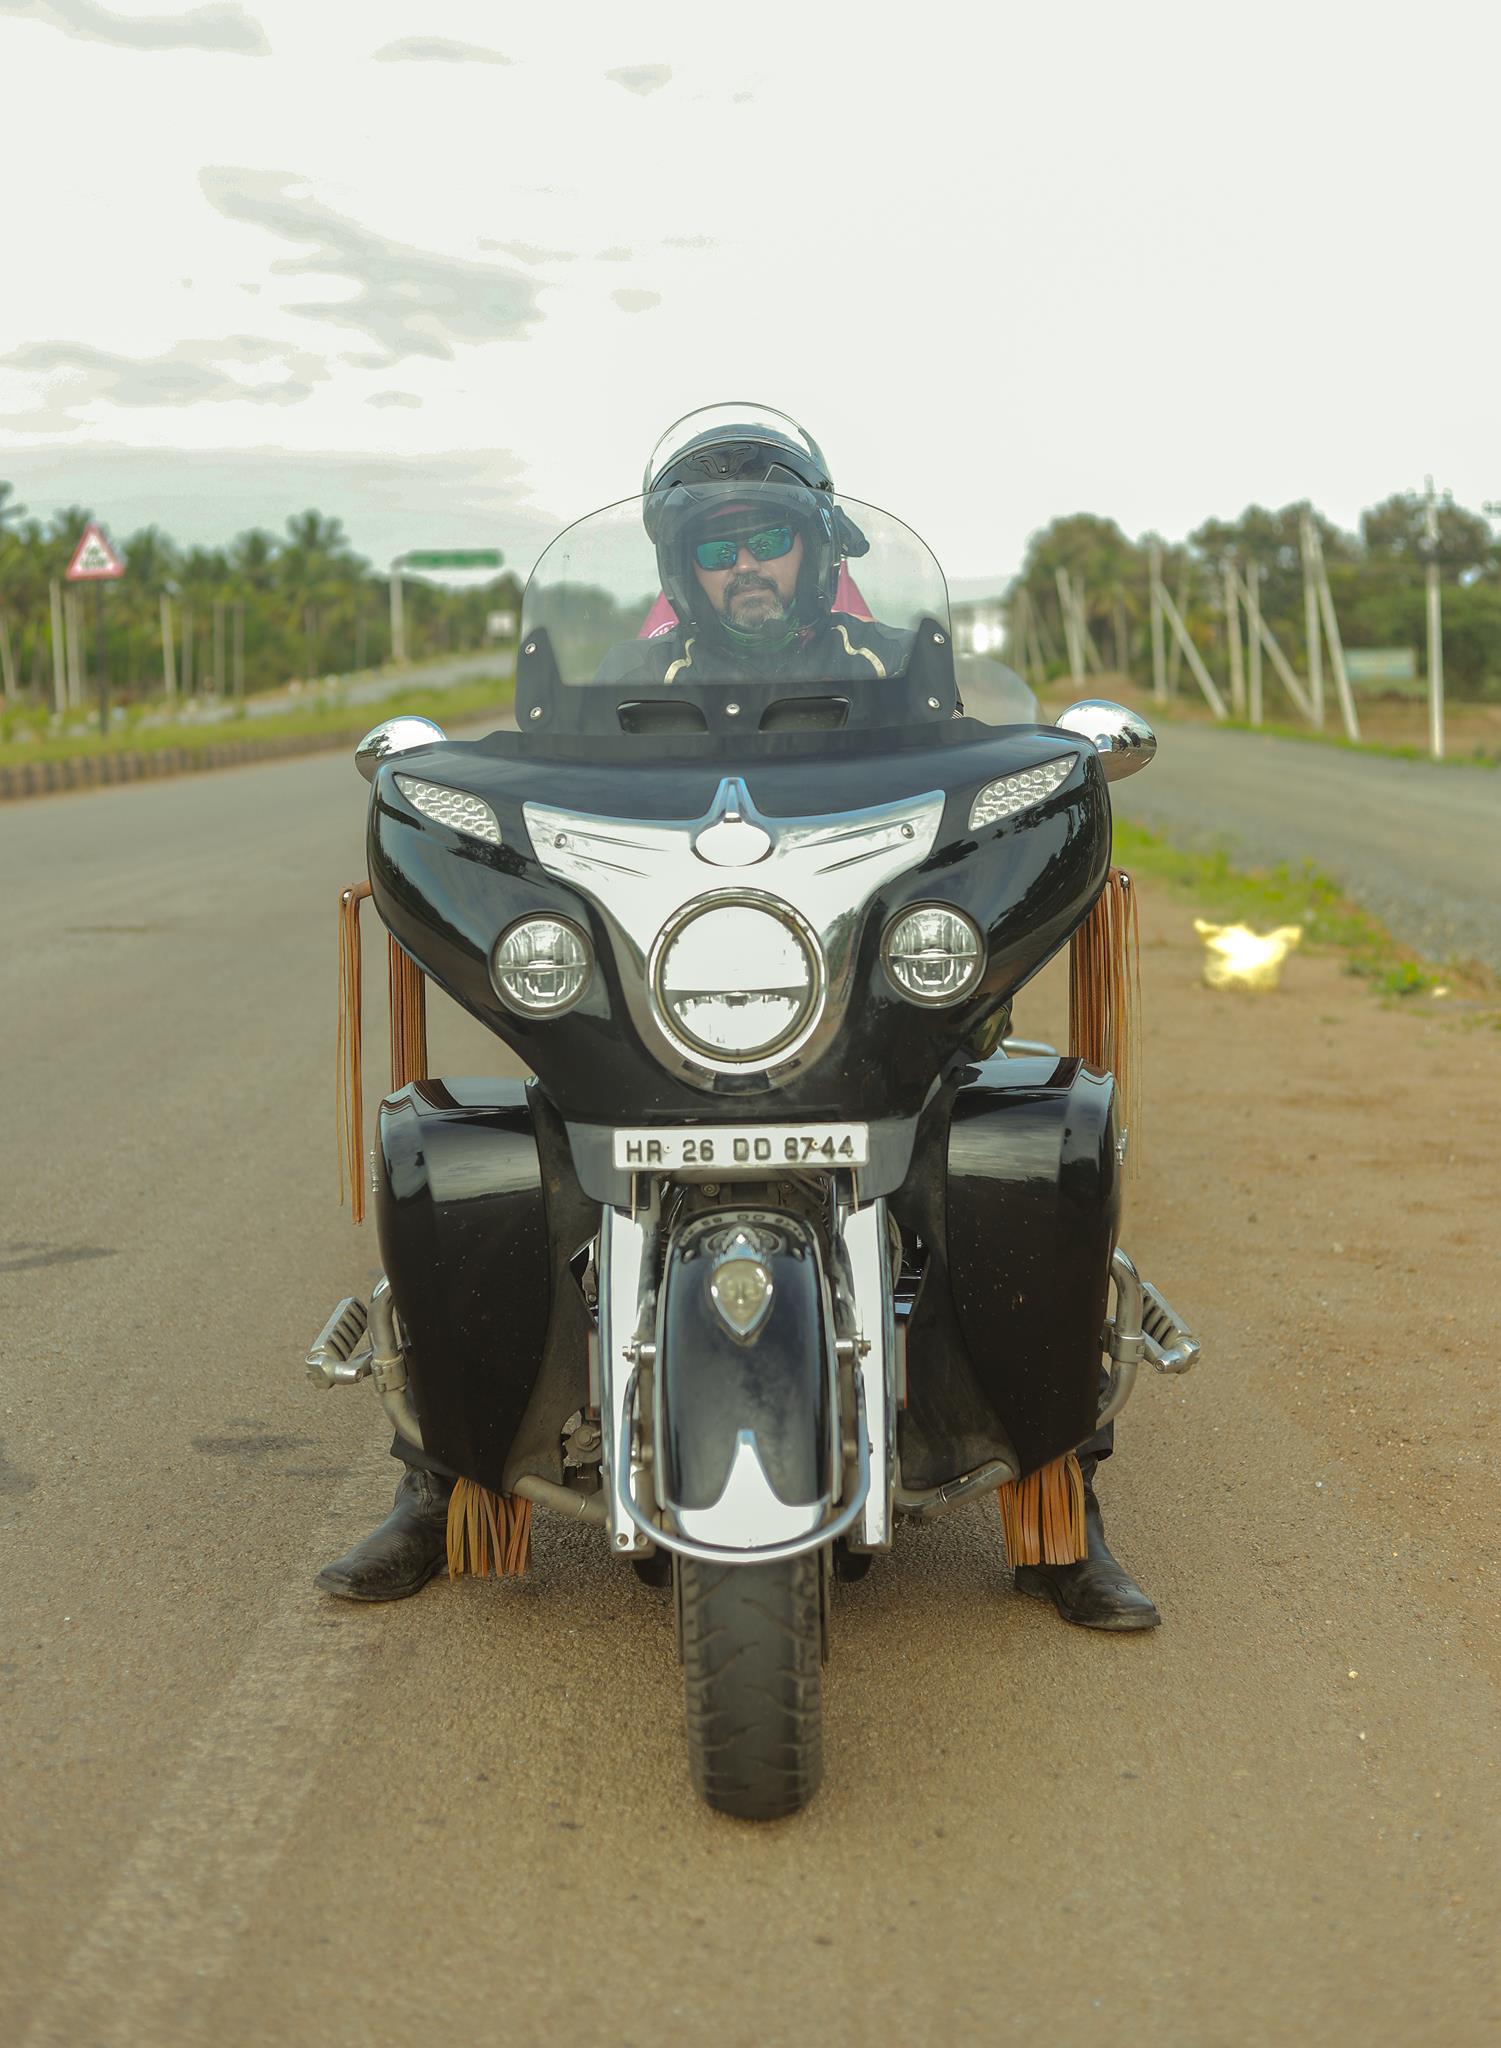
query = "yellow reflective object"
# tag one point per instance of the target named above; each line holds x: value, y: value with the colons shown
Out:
x: 1237, y: 957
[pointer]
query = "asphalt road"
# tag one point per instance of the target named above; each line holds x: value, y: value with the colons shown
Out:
x: 1415, y: 842
x: 236, y: 1812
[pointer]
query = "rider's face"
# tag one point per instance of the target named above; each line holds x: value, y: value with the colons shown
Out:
x: 753, y: 594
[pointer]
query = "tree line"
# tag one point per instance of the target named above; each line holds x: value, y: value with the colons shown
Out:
x: 1377, y: 578
x: 250, y: 615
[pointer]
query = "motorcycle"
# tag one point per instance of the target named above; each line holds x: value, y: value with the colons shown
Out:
x: 785, y: 1241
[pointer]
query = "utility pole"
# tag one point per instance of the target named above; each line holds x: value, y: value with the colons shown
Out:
x: 239, y: 653
x: 1159, y: 662
x: 1311, y: 618
x: 1435, y: 633
x: 1336, y: 645
x: 221, y: 682
x: 1232, y: 629
x: 1070, y: 626
x: 75, y: 651
x: 1252, y: 587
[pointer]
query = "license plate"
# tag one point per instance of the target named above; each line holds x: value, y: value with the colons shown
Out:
x: 731, y: 1151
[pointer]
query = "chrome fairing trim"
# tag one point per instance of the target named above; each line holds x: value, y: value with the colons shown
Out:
x: 826, y: 869
x: 627, y: 1246
x: 865, y: 1234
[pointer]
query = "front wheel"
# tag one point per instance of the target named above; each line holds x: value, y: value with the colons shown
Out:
x: 752, y: 1643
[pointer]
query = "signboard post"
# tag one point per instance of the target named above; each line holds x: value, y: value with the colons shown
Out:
x: 431, y: 558
x: 95, y: 561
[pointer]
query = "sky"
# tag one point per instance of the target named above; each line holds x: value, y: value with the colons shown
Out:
x: 447, y: 272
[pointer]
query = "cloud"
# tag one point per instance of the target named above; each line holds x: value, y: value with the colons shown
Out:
x: 630, y: 301
x: 437, y: 50
x: 641, y: 78
x: 190, y: 373
x: 393, y: 398
x: 617, y: 253
x: 222, y: 26
x: 409, y: 301
x: 688, y: 242
x: 531, y: 252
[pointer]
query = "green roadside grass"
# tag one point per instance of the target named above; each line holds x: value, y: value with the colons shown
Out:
x: 469, y: 699
x: 1301, y: 895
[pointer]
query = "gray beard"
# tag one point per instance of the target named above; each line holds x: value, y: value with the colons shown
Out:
x: 769, y: 611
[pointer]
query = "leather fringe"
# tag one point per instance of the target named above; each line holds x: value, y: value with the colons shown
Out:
x: 487, y: 1532
x: 349, y: 1100
x: 408, y: 995
x: 1104, y: 997
x: 1042, y: 1515
x: 407, y: 990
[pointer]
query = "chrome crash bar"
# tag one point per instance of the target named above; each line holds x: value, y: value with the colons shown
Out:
x: 1143, y: 1327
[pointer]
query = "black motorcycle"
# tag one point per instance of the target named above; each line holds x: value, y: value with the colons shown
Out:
x: 785, y: 1241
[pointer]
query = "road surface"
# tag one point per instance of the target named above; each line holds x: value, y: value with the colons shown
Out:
x: 236, y: 1812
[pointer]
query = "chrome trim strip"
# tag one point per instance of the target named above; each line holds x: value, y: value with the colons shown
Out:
x: 866, y: 1238
x: 627, y: 1245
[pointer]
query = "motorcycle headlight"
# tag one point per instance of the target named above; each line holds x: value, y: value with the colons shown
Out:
x: 452, y: 807
x: 542, y: 966
x: 738, y: 981
x: 934, y: 954
x: 1019, y: 792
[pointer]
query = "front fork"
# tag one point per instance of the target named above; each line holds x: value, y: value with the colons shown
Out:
x: 629, y: 1250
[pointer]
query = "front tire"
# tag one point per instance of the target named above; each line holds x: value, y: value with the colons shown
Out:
x: 752, y: 1643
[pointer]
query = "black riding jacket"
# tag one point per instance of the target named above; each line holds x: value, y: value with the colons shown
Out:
x: 840, y: 649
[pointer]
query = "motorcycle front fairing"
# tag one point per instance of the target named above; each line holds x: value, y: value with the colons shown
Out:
x: 810, y: 843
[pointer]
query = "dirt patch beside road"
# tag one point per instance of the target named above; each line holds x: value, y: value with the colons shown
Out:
x: 1321, y: 1172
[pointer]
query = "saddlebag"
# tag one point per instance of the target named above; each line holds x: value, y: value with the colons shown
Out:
x: 480, y: 1216
x: 1014, y: 1192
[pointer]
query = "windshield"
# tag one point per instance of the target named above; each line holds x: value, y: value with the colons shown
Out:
x: 754, y: 594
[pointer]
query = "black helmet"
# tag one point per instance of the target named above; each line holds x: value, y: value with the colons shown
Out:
x: 725, y: 458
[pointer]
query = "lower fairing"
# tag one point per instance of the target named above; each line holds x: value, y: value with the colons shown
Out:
x: 1009, y: 1216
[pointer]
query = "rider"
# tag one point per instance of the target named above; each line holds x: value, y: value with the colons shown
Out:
x: 750, y: 543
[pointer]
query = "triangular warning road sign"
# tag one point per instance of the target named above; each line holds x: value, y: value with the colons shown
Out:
x: 94, y: 560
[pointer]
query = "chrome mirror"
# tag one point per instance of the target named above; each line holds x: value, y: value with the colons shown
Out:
x: 394, y: 736
x: 1122, y: 739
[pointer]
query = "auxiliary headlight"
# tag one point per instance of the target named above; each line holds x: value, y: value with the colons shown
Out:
x: 737, y: 981
x: 452, y: 807
x: 542, y: 966
x: 934, y: 954
x: 1019, y: 792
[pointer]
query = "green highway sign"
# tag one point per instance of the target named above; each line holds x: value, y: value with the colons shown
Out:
x: 453, y: 558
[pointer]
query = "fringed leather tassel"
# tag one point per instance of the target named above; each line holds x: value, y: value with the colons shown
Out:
x: 1043, y: 1515
x: 408, y: 986
x: 1104, y: 996
x: 487, y: 1532
x: 349, y: 1097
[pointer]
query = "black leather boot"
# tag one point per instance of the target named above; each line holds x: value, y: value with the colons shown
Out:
x: 409, y: 1548
x: 1097, y: 1592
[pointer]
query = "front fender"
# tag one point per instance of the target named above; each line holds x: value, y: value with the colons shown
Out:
x: 746, y: 1418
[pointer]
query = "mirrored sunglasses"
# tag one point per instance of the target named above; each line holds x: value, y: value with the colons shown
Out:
x: 767, y: 544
